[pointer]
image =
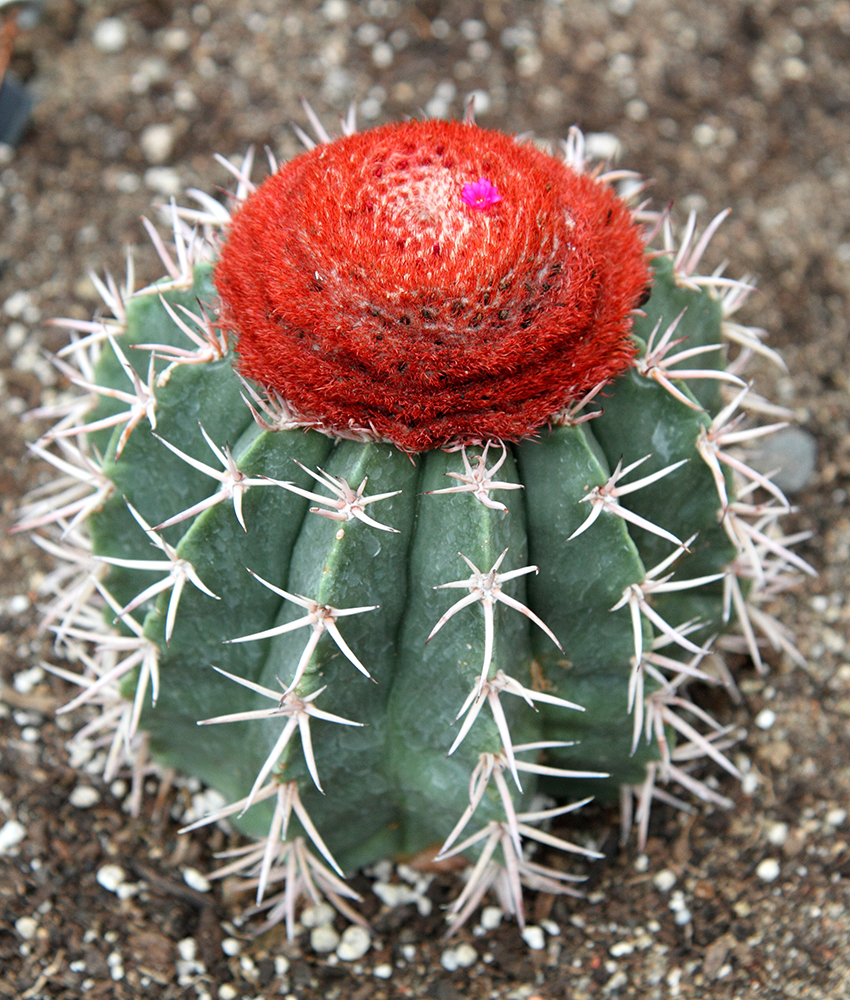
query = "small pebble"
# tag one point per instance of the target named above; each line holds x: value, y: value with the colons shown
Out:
x: 187, y: 948
x: 768, y: 870
x: 534, y: 937
x: 110, y: 877
x: 195, y: 880
x: 777, y: 834
x: 157, y: 142
x: 491, y: 917
x: 602, y: 146
x: 26, y: 927
x: 384, y: 971
x: 231, y: 946
x: 324, y: 939
x: 664, y: 880
x: 750, y: 783
x: 448, y: 960
x: 835, y: 817
x: 11, y: 834
x: 335, y: 11
x: 677, y: 901
x: 318, y: 915
x: 26, y: 680
x: 766, y: 718
x: 621, y: 948
x: 110, y: 35
x: 465, y: 956
x: 163, y: 180
x: 354, y: 945
x: 84, y: 797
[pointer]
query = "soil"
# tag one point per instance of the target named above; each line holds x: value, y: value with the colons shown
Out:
x: 745, y: 105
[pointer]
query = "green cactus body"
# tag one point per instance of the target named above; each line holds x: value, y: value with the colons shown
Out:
x: 519, y: 595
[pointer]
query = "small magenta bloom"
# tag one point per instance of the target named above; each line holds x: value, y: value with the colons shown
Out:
x: 360, y: 287
x: 481, y: 194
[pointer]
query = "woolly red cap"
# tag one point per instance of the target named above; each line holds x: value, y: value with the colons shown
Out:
x: 432, y: 281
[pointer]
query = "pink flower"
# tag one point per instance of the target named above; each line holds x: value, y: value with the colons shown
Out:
x: 480, y: 194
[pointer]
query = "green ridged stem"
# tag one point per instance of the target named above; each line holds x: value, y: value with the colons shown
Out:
x: 389, y: 787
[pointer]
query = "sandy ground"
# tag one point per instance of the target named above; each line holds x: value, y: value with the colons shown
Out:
x: 745, y: 105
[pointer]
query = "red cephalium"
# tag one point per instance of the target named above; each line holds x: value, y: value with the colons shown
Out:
x: 431, y: 281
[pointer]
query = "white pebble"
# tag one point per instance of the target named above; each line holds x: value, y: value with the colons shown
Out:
x: 534, y: 937
x: 382, y: 54
x: 11, y: 834
x: 176, y: 40
x: 227, y: 992
x: 318, y: 915
x: 602, y: 146
x: 231, y: 946
x: 195, y: 880
x: 835, y: 817
x: 766, y: 718
x: 323, y: 938
x: 768, y: 870
x: 163, y: 180
x: 777, y: 834
x: 750, y: 783
x: 335, y: 11
x: 354, y: 945
x: 16, y: 306
x: 157, y: 142
x: 110, y: 877
x: 465, y: 956
x: 621, y: 948
x: 384, y: 971
x: 26, y: 927
x: 448, y: 960
x: 664, y: 880
x: 84, y: 797
x: 616, y: 982
x: 677, y: 901
x: 187, y: 948
x: 26, y: 680
x: 491, y: 917
x: 110, y: 35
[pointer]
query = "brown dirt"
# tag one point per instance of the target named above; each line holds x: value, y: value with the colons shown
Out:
x: 747, y: 104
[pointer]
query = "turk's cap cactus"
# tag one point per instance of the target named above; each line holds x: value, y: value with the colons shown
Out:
x: 422, y: 409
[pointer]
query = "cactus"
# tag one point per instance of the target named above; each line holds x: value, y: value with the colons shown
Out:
x: 410, y: 492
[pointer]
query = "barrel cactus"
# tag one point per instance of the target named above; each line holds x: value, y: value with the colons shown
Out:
x: 413, y: 493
